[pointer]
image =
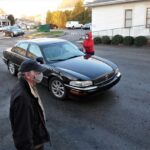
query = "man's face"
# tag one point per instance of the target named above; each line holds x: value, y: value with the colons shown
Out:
x: 34, y: 77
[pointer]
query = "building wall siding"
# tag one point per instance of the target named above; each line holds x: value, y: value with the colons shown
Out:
x: 106, y: 19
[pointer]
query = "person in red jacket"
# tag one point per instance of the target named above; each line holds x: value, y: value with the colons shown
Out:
x: 88, y: 44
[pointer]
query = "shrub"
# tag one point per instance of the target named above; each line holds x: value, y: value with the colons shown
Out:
x: 128, y: 40
x: 106, y: 40
x: 117, y: 39
x: 140, y: 41
x: 97, y: 40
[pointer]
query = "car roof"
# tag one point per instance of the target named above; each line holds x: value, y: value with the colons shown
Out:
x: 42, y: 41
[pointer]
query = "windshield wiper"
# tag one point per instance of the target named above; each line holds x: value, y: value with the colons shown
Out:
x: 65, y: 58
x: 57, y: 60
x: 73, y: 56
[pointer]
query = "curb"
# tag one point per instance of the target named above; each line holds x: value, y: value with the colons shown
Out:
x: 50, y: 36
x: 2, y: 38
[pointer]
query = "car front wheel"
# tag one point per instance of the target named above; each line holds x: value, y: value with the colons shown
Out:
x: 57, y: 88
x: 12, y: 69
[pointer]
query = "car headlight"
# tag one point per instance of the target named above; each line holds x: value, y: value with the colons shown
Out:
x: 15, y: 32
x: 81, y: 83
x: 116, y: 71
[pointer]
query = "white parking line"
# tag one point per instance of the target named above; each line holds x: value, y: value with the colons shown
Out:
x: 1, y: 61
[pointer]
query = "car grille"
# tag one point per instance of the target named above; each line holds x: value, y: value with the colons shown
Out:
x: 104, y: 79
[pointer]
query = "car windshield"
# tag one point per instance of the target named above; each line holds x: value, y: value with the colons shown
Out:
x: 14, y: 28
x: 61, y: 51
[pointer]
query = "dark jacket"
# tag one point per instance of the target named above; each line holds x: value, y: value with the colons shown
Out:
x: 26, y: 117
x: 88, y: 44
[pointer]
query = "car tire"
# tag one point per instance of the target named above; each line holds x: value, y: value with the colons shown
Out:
x: 12, y: 68
x: 57, y: 88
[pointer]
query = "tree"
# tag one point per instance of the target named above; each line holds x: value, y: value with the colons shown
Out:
x: 63, y: 19
x: 68, y: 14
x: 78, y: 11
x: 48, y: 17
x: 12, y: 19
x: 57, y: 17
x: 87, y: 15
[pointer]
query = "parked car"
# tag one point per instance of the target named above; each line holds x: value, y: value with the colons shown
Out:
x: 3, y: 28
x: 87, y: 26
x: 69, y: 71
x: 73, y: 25
x: 13, y: 31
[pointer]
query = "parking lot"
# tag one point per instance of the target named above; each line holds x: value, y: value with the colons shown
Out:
x: 115, y: 120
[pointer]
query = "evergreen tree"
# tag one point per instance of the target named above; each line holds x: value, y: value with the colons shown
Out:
x: 12, y: 19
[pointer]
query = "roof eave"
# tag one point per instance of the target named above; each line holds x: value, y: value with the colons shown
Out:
x: 109, y: 3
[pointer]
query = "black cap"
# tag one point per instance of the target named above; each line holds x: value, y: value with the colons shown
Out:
x: 31, y: 65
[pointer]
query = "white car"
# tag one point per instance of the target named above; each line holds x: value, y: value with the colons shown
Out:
x: 87, y: 26
x: 73, y: 25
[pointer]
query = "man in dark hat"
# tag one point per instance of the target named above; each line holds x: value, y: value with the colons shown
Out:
x: 27, y: 115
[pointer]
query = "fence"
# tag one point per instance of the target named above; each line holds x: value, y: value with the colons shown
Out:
x: 133, y: 31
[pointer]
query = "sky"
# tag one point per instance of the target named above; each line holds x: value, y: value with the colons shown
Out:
x: 19, y: 8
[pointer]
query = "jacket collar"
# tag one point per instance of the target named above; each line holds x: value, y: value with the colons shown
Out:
x: 25, y: 84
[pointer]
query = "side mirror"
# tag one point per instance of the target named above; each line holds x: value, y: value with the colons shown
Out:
x: 81, y: 49
x: 40, y: 60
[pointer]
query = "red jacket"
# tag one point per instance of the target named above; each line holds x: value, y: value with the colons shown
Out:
x: 88, y: 44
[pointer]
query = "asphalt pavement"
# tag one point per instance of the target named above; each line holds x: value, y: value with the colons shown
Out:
x: 115, y: 120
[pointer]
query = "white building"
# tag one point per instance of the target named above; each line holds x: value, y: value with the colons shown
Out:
x: 124, y: 17
x: 4, y: 21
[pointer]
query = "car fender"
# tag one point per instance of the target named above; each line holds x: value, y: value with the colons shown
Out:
x: 55, y: 75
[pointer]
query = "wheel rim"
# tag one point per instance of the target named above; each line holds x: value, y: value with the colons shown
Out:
x: 11, y: 68
x: 12, y: 34
x: 57, y: 88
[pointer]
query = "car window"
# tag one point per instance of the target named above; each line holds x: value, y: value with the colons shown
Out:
x: 23, y: 45
x: 34, y: 51
x: 21, y: 48
x: 61, y: 51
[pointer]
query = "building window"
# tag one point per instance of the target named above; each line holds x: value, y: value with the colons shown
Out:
x: 128, y: 18
x: 148, y: 18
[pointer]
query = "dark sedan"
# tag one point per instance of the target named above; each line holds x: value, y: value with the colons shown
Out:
x: 69, y: 70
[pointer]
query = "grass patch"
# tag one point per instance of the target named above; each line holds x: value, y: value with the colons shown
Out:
x: 44, y: 34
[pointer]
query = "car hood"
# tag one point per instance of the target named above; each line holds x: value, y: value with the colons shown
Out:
x: 17, y: 30
x: 83, y: 67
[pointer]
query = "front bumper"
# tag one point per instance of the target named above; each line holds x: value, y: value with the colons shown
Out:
x: 93, y: 89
